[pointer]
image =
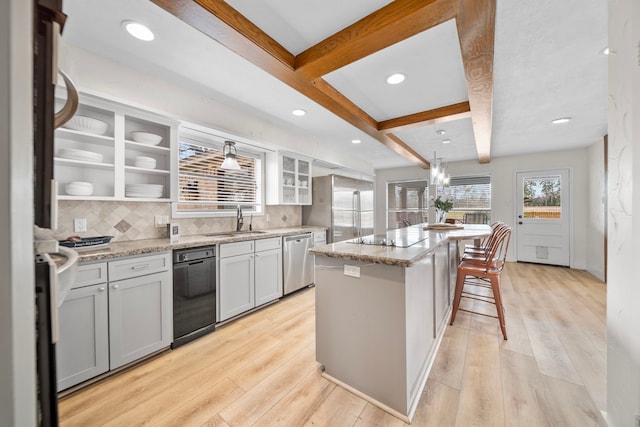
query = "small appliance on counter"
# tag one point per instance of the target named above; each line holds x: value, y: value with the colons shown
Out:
x: 86, y: 243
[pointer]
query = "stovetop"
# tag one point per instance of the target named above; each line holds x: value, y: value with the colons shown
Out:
x: 401, y: 238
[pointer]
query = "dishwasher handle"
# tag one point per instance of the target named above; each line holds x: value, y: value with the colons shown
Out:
x: 298, y: 238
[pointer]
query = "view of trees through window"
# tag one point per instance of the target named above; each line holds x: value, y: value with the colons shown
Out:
x: 471, y: 197
x: 542, y: 197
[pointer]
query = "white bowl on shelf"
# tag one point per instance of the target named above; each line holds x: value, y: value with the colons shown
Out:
x: 79, y: 188
x: 87, y: 124
x: 146, y: 138
x: 145, y: 162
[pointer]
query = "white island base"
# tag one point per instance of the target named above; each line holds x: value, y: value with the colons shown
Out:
x: 377, y: 334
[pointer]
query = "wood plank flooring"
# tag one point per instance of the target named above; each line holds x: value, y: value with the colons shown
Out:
x: 261, y: 370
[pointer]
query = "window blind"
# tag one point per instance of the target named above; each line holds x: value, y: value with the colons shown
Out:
x: 468, y: 192
x: 203, y: 186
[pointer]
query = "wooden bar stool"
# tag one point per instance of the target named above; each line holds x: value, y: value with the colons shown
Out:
x: 484, y: 271
x: 486, y: 242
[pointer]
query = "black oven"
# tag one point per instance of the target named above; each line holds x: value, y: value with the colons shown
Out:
x: 194, y: 293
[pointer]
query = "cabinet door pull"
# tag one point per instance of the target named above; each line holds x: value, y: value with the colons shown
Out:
x: 101, y: 289
x: 140, y: 267
x: 116, y: 286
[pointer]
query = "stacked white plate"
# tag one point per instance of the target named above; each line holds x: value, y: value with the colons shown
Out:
x: 144, y: 190
x: 82, y: 155
x: 78, y: 188
x: 146, y: 138
x: 87, y: 124
x: 145, y: 162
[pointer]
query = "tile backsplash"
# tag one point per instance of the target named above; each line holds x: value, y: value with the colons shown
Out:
x: 135, y: 220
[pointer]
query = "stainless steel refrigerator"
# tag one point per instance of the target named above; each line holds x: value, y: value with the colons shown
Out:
x: 344, y: 205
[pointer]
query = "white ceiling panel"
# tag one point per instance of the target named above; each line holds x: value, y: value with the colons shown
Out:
x: 300, y: 24
x: 547, y: 64
x: 431, y: 62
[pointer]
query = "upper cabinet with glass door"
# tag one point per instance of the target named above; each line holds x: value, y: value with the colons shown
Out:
x: 288, y: 179
x: 110, y: 151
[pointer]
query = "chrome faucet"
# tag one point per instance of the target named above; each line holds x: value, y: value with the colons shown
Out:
x: 239, y: 219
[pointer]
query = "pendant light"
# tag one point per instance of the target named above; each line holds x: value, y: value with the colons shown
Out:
x: 230, y: 156
x: 439, y: 173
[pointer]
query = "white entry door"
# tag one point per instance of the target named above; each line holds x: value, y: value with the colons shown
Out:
x: 543, y: 223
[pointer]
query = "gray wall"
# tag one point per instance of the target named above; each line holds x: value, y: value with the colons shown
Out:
x: 502, y: 171
x: 623, y: 289
x: 17, y: 357
x: 596, y: 213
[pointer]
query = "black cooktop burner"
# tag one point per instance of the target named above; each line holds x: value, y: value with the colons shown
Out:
x: 402, y: 238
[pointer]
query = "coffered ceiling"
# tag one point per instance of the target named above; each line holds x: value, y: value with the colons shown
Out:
x: 491, y: 75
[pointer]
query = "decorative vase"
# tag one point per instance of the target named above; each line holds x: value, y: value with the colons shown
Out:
x: 441, y: 216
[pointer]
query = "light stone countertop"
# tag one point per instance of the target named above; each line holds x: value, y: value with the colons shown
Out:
x: 149, y: 246
x: 395, y: 255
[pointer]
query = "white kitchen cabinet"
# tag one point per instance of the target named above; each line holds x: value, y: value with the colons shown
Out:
x: 119, y: 152
x: 237, y: 286
x: 268, y: 270
x: 140, y: 317
x: 82, y: 351
x: 288, y: 179
x: 116, y: 312
x: 250, y: 275
x: 441, y: 291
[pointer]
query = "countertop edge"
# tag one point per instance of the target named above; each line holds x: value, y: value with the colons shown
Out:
x: 150, y: 246
x: 398, y: 256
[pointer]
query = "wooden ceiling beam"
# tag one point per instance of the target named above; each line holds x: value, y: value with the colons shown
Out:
x: 242, y: 37
x: 388, y: 25
x: 475, y: 20
x: 444, y: 114
x: 237, y: 30
x: 400, y: 19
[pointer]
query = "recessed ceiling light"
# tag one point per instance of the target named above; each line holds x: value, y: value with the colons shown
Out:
x: 446, y: 141
x: 441, y: 132
x: 561, y: 120
x: 138, y: 30
x: 396, y: 78
x: 355, y: 141
x: 299, y: 112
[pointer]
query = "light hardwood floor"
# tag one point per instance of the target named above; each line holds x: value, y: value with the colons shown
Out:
x: 261, y: 370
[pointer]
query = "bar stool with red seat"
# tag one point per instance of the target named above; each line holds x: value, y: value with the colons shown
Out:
x: 484, y: 271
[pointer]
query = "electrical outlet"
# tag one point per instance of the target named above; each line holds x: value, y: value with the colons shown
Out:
x: 268, y: 217
x: 352, y: 270
x: 161, y: 220
x: 79, y: 225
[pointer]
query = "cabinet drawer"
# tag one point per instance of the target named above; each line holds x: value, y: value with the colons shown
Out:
x: 90, y: 274
x: 139, y: 266
x: 236, y: 248
x: 268, y: 244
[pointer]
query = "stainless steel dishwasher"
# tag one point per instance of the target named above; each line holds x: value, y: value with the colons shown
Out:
x: 297, y: 262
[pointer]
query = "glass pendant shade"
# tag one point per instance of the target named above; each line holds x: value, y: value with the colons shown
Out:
x: 230, y: 156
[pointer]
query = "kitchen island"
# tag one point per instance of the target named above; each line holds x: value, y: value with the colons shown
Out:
x: 381, y: 309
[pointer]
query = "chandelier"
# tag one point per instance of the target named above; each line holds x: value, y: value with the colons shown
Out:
x: 439, y: 172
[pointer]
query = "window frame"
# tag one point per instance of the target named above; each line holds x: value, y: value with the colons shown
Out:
x: 425, y: 209
x: 210, y: 138
x: 443, y: 192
